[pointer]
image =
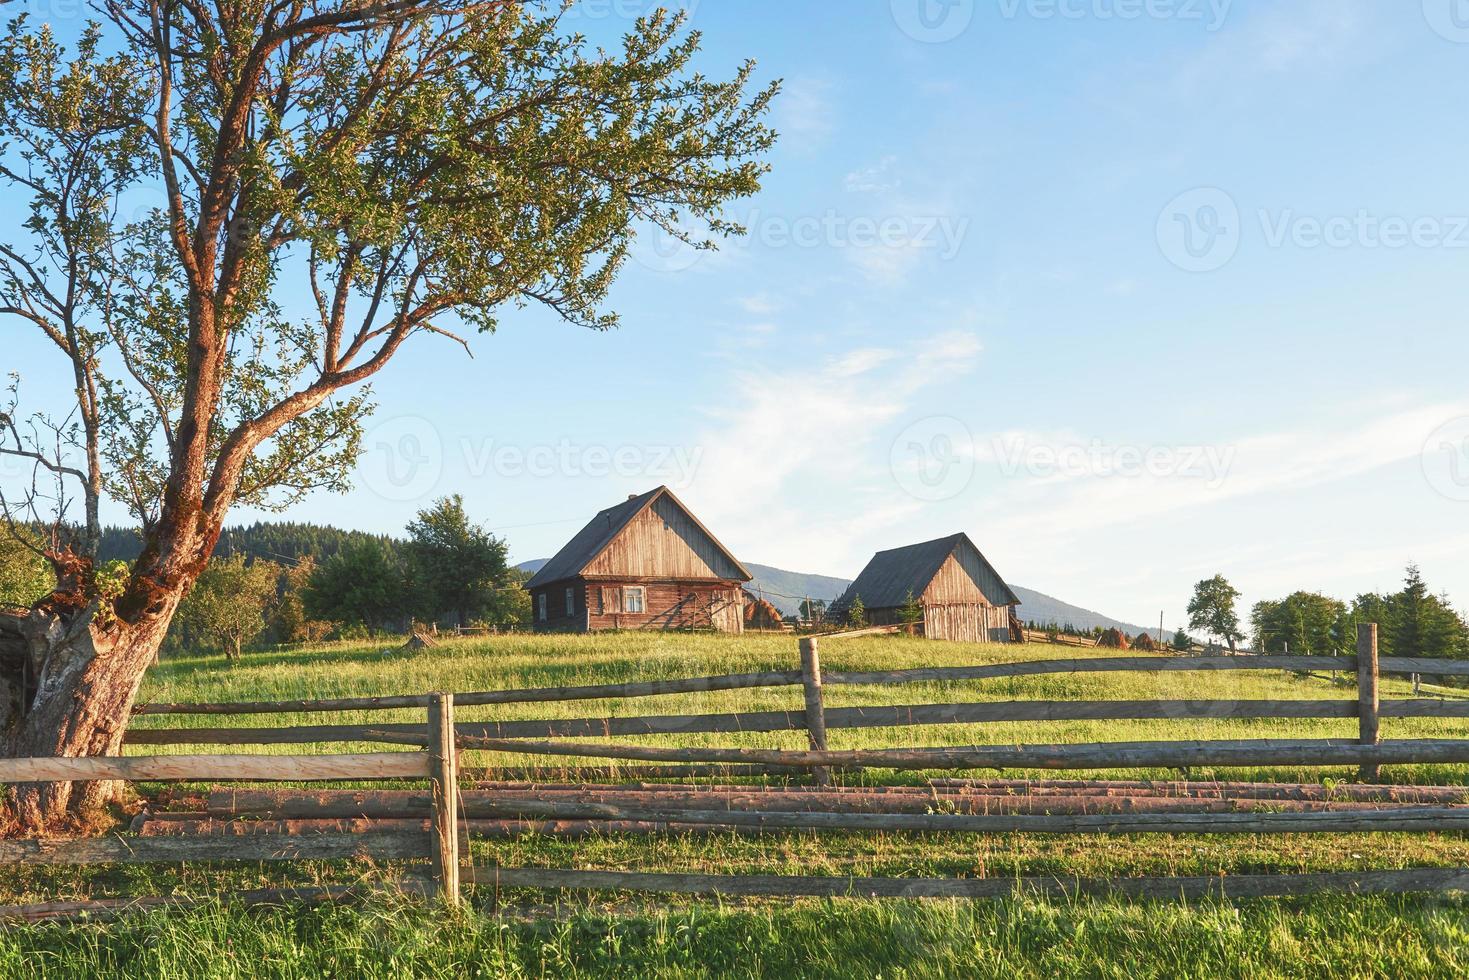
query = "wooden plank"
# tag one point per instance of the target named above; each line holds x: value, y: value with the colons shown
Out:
x: 589, y: 692
x: 1088, y: 665
x: 1368, y: 697
x: 146, y: 850
x: 444, y: 771
x: 815, y: 708
x: 108, y: 909
x: 238, y: 768
x: 1089, y: 755
x: 1437, y: 880
x: 1423, y: 665
x: 1410, y: 819
x: 871, y: 716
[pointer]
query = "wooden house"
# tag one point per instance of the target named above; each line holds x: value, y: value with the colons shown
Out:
x: 957, y: 592
x: 646, y: 563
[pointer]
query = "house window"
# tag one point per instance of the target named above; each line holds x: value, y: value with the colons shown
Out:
x: 571, y: 602
x: 541, y: 606
x: 632, y: 599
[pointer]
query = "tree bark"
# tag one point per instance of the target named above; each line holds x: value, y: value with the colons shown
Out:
x: 69, y: 681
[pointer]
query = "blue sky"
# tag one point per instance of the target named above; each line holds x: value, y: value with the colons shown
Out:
x: 1132, y: 291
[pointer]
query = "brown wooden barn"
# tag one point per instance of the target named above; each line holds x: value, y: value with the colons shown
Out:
x: 646, y: 563
x: 957, y: 590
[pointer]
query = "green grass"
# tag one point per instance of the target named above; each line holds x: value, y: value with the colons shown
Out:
x: 536, y: 934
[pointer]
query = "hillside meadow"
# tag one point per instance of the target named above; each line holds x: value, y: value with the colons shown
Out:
x: 540, y: 934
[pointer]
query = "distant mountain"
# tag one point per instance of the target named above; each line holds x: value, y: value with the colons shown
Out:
x: 1041, y: 608
x: 785, y: 590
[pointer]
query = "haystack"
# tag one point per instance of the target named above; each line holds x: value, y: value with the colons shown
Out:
x: 1114, y: 639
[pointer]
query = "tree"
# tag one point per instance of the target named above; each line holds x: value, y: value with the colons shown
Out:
x: 911, y: 612
x: 1302, y: 622
x: 229, y: 602
x: 857, y: 613
x: 1182, y: 642
x: 1212, y: 610
x: 813, y: 610
x: 406, y: 166
x: 25, y: 575
x: 1424, y: 625
x: 288, y: 620
x: 456, y: 566
x: 363, y: 586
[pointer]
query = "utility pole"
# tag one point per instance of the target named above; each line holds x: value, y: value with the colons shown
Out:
x: 1160, y: 627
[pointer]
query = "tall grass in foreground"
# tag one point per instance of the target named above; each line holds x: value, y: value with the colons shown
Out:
x: 1326, y: 937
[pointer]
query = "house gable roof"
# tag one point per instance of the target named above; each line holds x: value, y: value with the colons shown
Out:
x: 591, y: 541
x: 891, y: 575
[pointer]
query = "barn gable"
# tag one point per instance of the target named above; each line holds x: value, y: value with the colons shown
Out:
x: 648, y: 536
x: 945, y: 570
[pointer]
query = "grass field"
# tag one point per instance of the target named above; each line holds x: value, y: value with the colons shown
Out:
x: 545, y: 935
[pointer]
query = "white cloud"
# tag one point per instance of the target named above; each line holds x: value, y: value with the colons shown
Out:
x: 875, y: 179
x: 760, y: 304
x: 793, y: 465
x: 804, y: 116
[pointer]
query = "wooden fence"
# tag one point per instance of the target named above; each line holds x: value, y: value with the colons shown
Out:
x: 398, y: 834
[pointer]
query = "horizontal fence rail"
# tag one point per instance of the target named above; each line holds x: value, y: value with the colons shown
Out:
x: 1223, y: 886
x: 238, y: 768
x: 729, y: 682
x: 1085, y: 755
x: 867, y: 716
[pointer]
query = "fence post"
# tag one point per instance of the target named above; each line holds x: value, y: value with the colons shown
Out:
x: 815, y: 711
x: 1367, y: 697
x: 444, y: 772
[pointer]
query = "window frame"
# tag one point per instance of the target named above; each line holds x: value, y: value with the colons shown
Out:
x: 541, y: 606
x: 628, y: 592
x: 570, y: 601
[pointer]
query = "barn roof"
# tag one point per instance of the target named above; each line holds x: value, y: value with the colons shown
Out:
x: 891, y: 575
x: 593, y: 539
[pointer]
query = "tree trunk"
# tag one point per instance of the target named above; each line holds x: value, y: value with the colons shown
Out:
x: 67, y: 685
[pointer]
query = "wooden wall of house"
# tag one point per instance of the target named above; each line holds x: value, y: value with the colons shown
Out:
x: 557, y: 619
x: 963, y: 577
x: 662, y: 542
x: 666, y: 606
x: 966, y: 622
